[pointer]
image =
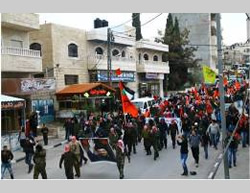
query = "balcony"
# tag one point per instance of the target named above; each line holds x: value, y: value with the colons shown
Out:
x: 99, y: 62
x: 20, y: 60
x: 142, y: 44
x: 20, y: 21
x: 146, y: 66
x: 100, y: 34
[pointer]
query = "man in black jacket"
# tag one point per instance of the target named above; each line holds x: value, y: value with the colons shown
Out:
x: 6, y: 157
x: 182, y: 141
x: 29, y: 151
x: 69, y: 158
x: 173, y: 129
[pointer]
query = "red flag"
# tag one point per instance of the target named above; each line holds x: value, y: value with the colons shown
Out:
x: 237, y: 85
x: 127, y: 105
x: 225, y: 82
x: 216, y: 94
x: 118, y: 72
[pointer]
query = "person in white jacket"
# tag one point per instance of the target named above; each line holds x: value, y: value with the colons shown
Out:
x: 213, y: 130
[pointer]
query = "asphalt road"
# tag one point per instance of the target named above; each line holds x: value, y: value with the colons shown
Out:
x: 167, y: 166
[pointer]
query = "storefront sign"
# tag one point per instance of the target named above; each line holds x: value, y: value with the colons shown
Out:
x: 154, y: 76
x: 12, y: 105
x: 125, y: 76
x: 151, y: 76
x: 32, y: 85
x: 97, y: 92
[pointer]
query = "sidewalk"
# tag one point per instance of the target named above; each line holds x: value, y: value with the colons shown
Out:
x: 53, y: 141
x: 241, y: 171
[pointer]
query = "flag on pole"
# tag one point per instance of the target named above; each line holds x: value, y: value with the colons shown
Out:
x: 129, y: 92
x: 118, y: 72
x: 209, y: 75
x: 127, y: 105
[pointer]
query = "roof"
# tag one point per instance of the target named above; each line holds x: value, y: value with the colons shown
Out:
x: 5, y: 98
x: 81, y: 88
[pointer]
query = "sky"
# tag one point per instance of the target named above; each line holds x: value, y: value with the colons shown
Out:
x: 233, y: 24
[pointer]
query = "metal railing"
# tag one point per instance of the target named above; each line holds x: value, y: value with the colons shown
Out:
x: 20, y: 52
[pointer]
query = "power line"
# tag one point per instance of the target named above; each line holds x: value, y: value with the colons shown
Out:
x: 141, y: 25
x: 126, y: 22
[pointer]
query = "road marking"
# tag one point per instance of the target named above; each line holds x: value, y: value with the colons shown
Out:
x: 216, y: 164
x: 211, y: 175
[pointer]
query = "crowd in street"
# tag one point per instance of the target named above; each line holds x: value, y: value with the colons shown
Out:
x: 199, y: 112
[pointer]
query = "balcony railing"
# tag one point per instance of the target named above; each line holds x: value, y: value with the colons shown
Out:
x: 152, y: 66
x: 20, y: 52
x: 114, y: 58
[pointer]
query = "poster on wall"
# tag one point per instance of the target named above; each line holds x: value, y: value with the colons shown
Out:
x: 45, y: 109
x: 36, y: 84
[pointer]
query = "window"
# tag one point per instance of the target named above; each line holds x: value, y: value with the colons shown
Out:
x: 155, y: 58
x: 99, y: 51
x: 123, y: 54
x: 115, y: 52
x: 72, y: 50
x: 71, y: 79
x: 145, y: 56
x: 16, y: 44
x: 36, y: 46
x: 139, y: 57
x: 164, y: 58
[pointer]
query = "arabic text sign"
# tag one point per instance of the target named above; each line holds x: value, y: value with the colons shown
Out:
x: 31, y: 85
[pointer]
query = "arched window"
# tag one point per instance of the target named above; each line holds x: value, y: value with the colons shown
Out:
x: 115, y: 52
x: 155, y: 58
x: 123, y: 54
x: 36, y: 46
x: 72, y: 50
x: 164, y: 58
x: 145, y: 56
x: 99, y: 51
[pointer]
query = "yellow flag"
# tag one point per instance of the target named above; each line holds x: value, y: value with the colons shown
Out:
x: 209, y: 75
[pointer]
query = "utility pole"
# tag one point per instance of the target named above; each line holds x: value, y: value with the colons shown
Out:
x: 222, y: 95
x: 109, y: 36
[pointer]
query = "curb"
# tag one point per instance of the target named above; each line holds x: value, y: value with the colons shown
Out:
x: 47, y: 148
x: 216, y: 165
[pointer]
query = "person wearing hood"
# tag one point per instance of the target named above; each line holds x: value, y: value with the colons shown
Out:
x: 40, y: 162
x: 69, y: 158
x: 120, y: 157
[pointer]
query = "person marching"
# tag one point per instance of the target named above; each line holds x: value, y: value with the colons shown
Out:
x: 40, y: 162
x: 69, y: 158
x: 45, y: 132
x: 213, y: 129
x: 155, y: 138
x: 182, y: 141
x: 194, y: 141
x: 120, y: 157
x: 6, y: 157
x: 173, y: 128
x: 75, y: 148
x: 146, y: 139
x: 29, y: 151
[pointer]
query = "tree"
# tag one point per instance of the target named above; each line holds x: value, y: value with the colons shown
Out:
x: 137, y: 24
x: 180, y: 55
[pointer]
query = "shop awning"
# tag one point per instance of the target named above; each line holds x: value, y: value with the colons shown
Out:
x: 10, y: 102
x: 83, y: 88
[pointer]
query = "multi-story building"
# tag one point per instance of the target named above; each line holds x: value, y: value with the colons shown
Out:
x: 74, y: 56
x: 21, y: 61
x: 151, y: 67
x: 19, y: 64
x: 202, y: 27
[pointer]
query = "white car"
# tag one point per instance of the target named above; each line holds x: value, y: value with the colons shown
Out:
x: 143, y: 103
